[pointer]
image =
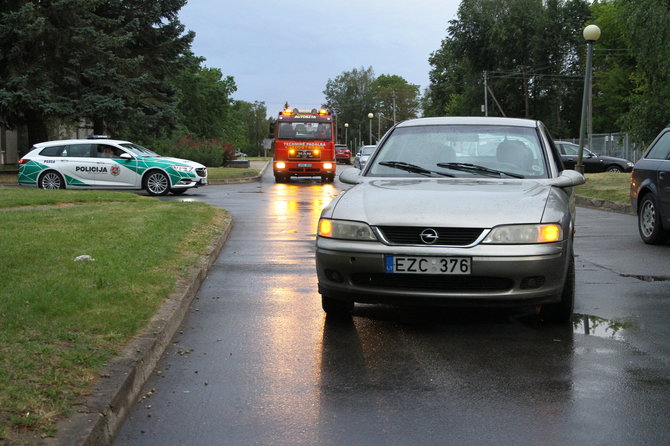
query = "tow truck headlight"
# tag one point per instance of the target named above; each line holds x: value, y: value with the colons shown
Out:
x: 345, y: 229
x: 182, y: 168
x: 525, y: 234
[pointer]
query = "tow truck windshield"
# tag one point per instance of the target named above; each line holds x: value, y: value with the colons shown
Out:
x: 319, y: 131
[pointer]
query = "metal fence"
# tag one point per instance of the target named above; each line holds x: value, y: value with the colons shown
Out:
x: 613, y: 144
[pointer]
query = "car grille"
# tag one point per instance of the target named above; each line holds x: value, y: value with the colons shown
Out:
x: 201, y: 171
x: 403, y: 235
x: 432, y: 282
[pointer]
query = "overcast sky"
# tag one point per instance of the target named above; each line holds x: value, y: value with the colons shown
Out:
x: 285, y: 51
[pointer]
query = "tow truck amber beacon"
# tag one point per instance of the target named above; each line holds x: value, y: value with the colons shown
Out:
x: 304, y: 145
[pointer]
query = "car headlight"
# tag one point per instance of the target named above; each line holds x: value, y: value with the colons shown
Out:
x: 629, y: 164
x: 344, y: 229
x: 522, y: 234
x: 182, y: 168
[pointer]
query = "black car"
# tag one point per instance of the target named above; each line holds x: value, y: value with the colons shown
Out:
x: 650, y: 190
x: 592, y: 163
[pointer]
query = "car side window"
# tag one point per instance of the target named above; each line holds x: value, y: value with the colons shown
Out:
x: 107, y: 151
x: 54, y: 151
x: 660, y: 150
x: 79, y: 150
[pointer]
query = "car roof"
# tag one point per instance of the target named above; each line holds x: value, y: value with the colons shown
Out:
x: 470, y: 120
x: 79, y: 141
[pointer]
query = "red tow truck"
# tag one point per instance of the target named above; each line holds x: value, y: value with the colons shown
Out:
x: 304, y: 145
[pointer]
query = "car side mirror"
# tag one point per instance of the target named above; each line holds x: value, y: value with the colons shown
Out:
x: 351, y: 175
x: 126, y: 156
x: 568, y: 178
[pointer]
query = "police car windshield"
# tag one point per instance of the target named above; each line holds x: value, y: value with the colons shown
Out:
x: 138, y: 150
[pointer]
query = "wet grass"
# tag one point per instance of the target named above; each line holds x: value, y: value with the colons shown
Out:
x: 61, y: 320
x: 606, y: 186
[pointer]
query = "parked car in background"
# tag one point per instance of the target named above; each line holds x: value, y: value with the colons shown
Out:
x: 650, y: 190
x: 432, y: 221
x: 362, y: 155
x: 240, y: 154
x: 342, y: 154
x: 98, y: 163
x: 592, y: 163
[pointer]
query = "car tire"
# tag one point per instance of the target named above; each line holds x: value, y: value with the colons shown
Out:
x: 649, y: 221
x: 51, y: 180
x: 156, y: 183
x: 561, y: 311
x: 613, y: 169
x: 335, y: 307
x: 177, y: 191
x: 281, y: 179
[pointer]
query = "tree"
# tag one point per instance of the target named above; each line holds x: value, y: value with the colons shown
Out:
x: 397, y: 100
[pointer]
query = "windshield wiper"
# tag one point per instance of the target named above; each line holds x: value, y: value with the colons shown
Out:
x: 467, y: 167
x: 412, y: 168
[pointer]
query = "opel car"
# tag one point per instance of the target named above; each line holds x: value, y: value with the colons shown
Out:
x: 436, y: 218
x: 107, y: 164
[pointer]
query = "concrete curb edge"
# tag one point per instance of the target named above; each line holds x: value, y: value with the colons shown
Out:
x: 101, y: 415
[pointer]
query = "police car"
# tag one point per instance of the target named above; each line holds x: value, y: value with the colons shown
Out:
x: 107, y: 164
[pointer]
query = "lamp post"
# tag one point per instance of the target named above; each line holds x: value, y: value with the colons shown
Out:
x: 370, y: 116
x: 346, y: 133
x: 591, y: 35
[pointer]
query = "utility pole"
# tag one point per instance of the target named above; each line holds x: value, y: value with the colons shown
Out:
x: 486, y: 95
x: 393, y: 95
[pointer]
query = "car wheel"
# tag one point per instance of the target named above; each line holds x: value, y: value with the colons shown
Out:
x: 280, y: 179
x: 157, y: 183
x: 649, y: 222
x: 177, y: 191
x: 561, y: 311
x: 51, y: 180
x: 614, y: 169
x: 335, y: 307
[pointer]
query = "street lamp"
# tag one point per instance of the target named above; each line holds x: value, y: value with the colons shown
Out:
x: 591, y: 35
x: 370, y: 116
x: 346, y: 133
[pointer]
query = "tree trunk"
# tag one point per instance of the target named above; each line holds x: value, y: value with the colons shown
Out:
x: 98, y: 126
x: 37, y: 128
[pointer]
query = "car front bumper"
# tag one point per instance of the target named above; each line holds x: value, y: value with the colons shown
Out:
x: 500, y: 275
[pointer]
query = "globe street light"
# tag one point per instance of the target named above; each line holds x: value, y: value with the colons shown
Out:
x: 370, y: 116
x: 346, y: 132
x: 591, y: 35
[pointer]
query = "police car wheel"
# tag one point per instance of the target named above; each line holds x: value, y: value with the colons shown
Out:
x: 51, y: 180
x: 157, y: 183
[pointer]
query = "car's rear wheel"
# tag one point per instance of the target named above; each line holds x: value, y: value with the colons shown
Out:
x: 157, y: 183
x: 51, y: 180
x: 614, y: 169
x: 335, y: 307
x: 649, y: 222
x: 561, y: 311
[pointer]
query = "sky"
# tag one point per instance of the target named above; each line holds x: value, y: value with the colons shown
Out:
x: 286, y: 51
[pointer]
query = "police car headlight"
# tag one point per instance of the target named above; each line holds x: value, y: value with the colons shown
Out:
x: 344, y: 229
x: 524, y: 234
x: 182, y: 168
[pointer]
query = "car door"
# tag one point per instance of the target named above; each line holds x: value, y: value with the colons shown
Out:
x: 78, y: 165
x: 568, y: 155
x: 115, y: 171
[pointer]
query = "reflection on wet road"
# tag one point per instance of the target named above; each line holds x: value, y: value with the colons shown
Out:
x: 265, y: 366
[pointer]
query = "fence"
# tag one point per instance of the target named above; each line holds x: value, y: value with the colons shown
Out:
x: 613, y: 144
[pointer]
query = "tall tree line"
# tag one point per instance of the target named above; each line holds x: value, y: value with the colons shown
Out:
x: 528, y: 58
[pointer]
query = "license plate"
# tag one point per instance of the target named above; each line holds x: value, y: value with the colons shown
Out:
x: 304, y: 164
x: 427, y: 265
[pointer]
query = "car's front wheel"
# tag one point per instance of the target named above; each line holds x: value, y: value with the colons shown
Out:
x: 649, y: 222
x: 51, y: 180
x: 561, y: 311
x: 157, y: 183
x: 614, y: 169
x: 335, y: 307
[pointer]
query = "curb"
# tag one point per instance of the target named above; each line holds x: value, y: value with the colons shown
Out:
x: 100, y: 416
x: 604, y: 205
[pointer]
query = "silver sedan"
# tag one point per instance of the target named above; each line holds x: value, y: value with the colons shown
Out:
x: 438, y: 218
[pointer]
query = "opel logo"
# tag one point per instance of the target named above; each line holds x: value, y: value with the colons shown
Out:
x: 429, y: 236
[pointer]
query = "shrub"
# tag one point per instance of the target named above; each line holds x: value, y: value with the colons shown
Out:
x: 210, y: 152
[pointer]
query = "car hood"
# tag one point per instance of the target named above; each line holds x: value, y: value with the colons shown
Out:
x: 447, y: 202
x: 170, y: 160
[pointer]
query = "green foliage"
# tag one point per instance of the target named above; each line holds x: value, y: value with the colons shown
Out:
x: 210, y: 152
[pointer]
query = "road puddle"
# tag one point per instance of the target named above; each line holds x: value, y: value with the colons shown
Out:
x: 590, y: 325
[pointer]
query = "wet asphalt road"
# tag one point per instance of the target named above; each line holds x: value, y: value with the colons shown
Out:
x: 258, y: 363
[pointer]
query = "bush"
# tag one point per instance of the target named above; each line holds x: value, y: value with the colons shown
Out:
x: 210, y: 152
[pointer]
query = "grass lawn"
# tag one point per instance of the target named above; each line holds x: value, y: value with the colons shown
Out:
x: 606, y: 186
x: 61, y: 320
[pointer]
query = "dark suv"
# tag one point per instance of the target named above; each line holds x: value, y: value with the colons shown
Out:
x: 650, y: 190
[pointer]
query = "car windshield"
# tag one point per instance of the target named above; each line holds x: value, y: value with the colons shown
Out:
x: 462, y: 151
x: 319, y: 131
x: 139, y: 150
x: 367, y: 150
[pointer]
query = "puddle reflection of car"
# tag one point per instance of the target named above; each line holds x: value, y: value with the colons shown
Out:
x: 650, y: 190
x: 362, y: 155
x: 107, y: 164
x: 431, y: 221
x: 592, y: 163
